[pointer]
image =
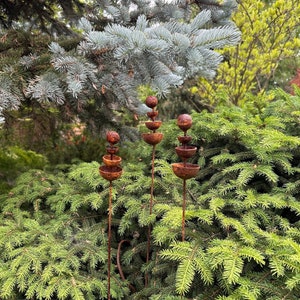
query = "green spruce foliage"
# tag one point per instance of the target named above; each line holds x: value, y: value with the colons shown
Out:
x: 53, y: 238
x: 242, y: 218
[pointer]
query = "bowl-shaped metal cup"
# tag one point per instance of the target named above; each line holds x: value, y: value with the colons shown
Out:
x: 152, y: 138
x: 184, y: 139
x: 111, y: 160
x: 110, y: 173
x: 185, y: 170
x: 153, y: 125
x: 152, y: 114
x: 185, y: 152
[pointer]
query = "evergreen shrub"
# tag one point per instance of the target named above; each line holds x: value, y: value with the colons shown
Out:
x: 242, y: 218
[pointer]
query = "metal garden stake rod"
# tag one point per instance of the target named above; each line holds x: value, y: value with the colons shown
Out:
x: 185, y: 170
x: 152, y: 138
x: 110, y: 171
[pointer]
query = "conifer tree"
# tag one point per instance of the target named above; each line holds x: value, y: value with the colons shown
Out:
x: 143, y: 43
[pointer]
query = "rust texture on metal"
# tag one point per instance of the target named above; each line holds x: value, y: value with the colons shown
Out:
x: 151, y: 138
x: 111, y: 170
x: 184, y: 169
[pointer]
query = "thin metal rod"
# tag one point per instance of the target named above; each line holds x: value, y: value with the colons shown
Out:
x: 152, y: 180
x: 109, y: 239
x: 183, y: 210
x: 150, y: 213
x: 148, y: 254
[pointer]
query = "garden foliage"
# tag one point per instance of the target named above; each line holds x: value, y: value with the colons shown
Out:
x: 270, y: 40
x: 158, y: 44
x: 14, y: 161
x: 242, y: 227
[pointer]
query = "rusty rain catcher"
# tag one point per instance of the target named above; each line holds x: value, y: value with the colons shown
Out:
x: 151, y: 138
x: 110, y: 171
x: 184, y: 169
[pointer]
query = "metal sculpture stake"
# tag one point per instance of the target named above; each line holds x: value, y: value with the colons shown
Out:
x: 110, y: 171
x: 185, y: 170
x: 152, y: 138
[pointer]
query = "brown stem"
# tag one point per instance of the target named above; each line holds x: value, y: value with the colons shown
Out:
x: 118, y: 259
x: 109, y: 239
x: 152, y: 181
x: 119, y: 263
x: 183, y: 211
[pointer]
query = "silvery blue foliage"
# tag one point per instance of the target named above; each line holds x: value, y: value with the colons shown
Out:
x: 155, y: 43
x: 46, y: 88
x: 10, y: 98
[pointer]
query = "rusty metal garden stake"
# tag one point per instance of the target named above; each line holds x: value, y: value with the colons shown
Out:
x: 183, y: 211
x: 152, y: 138
x: 185, y: 170
x: 110, y: 171
x: 109, y: 239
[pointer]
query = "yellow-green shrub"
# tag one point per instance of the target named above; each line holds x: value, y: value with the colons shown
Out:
x: 269, y: 35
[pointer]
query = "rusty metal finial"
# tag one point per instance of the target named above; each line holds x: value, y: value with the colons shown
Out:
x: 111, y: 170
x: 185, y: 170
x: 151, y: 138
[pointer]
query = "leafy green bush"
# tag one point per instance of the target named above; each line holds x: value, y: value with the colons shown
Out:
x: 242, y: 218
